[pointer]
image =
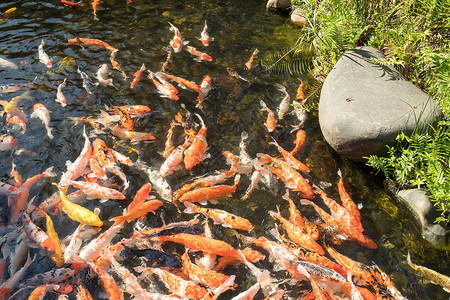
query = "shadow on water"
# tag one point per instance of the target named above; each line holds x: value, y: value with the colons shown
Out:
x: 140, y: 31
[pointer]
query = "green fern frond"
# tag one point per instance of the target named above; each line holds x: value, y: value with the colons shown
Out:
x: 294, y: 61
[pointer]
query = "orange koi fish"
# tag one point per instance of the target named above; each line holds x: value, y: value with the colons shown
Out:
x: 220, y: 217
x: 296, y: 218
x: 296, y: 234
x: 209, y: 278
x: 290, y: 159
x: 271, y: 122
x: 77, y: 212
x: 169, y: 147
x: 69, y: 3
x: 92, y: 42
x: 225, y: 286
x: 133, y: 136
x: 233, y: 161
x: 41, y: 112
x: 176, y: 284
x: 249, y: 254
x: 196, y: 152
x: 140, y: 196
x: 18, y: 204
x: 200, y: 55
x: 98, y: 170
x: 137, y: 76
x: 300, y: 94
x: 200, y: 243
x: 205, y: 88
x: 125, y: 118
x: 164, y: 88
x: 109, y: 284
x: 204, y: 36
x: 292, y: 178
x: 183, y: 83
x: 95, y: 7
x: 177, y: 42
x: 300, y: 139
x: 210, y: 193
x: 138, y: 211
x: 346, y: 200
x: 187, y: 187
x: 318, y: 293
x: 83, y: 293
x: 133, y: 109
x: 167, y: 65
x: 250, y: 61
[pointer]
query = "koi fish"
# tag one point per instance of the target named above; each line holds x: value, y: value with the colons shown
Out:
x: 95, y: 7
x: 300, y: 94
x: 41, y: 112
x: 109, y: 284
x: 138, y: 211
x: 37, y: 236
x: 43, y: 57
x: 169, y: 147
x: 250, y: 61
x: 290, y: 159
x: 69, y: 3
x: 300, y: 113
x: 92, y: 42
x: 300, y: 139
x: 318, y: 294
x: 196, y: 152
x: 183, y: 83
x: 284, y: 104
x: 163, y: 88
x: 134, y: 109
x: 60, y: 98
x: 271, y: 122
x: 13, y: 87
x: 226, y: 285
x: 133, y: 136
x: 173, y: 161
x: 234, y: 74
x: 57, y: 255
x: 177, y: 42
x: 77, y: 212
x: 206, y: 277
x: 4, y: 63
x: 210, y: 193
x: 116, y: 64
x: 167, y: 65
x: 120, y: 157
x: 9, y: 190
x: 200, y: 55
x: 220, y: 217
x: 204, y: 36
x: 256, y: 176
x: 346, y: 200
x: 125, y: 119
x: 161, y: 186
x: 92, y: 251
x: 17, y: 117
x: 96, y: 191
x: 433, y: 276
x: 137, y: 76
x: 102, y: 75
x: 86, y: 81
x: 205, y: 88
x: 10, y: 284
x: 11, y: 105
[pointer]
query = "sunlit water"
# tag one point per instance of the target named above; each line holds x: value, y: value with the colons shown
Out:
x: 140, y: 31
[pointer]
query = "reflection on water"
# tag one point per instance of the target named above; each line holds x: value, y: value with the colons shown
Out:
x: 140, y: 31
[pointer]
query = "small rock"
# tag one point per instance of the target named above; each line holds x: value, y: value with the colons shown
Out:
x: 278, y: 4
x: 420, y: 205
x: 297, y: 16
x: 364, y: 105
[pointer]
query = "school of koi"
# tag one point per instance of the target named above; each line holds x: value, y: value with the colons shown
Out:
x: 201, y: 270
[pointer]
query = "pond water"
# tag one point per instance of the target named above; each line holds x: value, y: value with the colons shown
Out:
x: 140, y: 31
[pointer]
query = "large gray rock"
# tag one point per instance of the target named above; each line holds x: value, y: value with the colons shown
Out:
x: 419, y: 204
x: 364, y: 105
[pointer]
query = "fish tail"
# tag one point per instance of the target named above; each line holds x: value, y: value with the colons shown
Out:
x: 49, y: 133
x: 237, y: 179
x: 190, y: 208
x: 49, y: 172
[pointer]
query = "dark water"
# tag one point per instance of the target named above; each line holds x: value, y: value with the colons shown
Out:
x: 140, y: 31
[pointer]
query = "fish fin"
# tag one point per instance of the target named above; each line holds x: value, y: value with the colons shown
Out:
x: 49, y: 172
x: 103, y: 200
x: 214, y: 202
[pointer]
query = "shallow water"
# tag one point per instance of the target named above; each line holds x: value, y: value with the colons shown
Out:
x: 140, y: 31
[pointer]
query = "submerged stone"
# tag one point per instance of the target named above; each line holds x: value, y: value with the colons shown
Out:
x: 298, y: 16
x: 364, y: 105
x: 420, y: 205
x: 278, y: 4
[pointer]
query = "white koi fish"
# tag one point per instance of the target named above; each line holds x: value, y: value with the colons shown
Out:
x: 4, y: 63
x: 96, y: 191
x: 60, y: 98
x: 102, y: 75
x: 284, y: 105
x: 86, y: 80
x: 204, y: 36
x: 43, y: 57
x: 41, y: 112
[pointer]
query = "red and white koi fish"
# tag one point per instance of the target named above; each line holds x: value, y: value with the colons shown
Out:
x: 183, y: 83
x: 173, y: 162
x: 200, y: 55
x: 17, y: 118
x: 234, y: 74
x: 102, y: 75
x: 41, y: 112
x: 271, y: 122
x: 9, y: 190
x: 43, y: 57
x: 196, y: 152
x: 13, y: 87
x: 92, y: 251
x: 96, y: 191
x: 137, y: 76
x: 120, y: 157
x: 9, y: 285
x: 163, y: 88
x: 74, y: 245
x: 205, y: 88
x: 284, y: 105
x: 177, y: 42
x: 204, y: 36
x: 4, y: 63
x: 133, y: 136
x: 256, y: 176
x: 37, y: 236
x: 133, y: 109
x: 300, y: 113
x: 250, y: 61
x: 116, y: 64
x: 60, y: 98
x: 75, y: 169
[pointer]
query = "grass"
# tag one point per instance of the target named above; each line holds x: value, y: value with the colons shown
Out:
x: 414, y: 36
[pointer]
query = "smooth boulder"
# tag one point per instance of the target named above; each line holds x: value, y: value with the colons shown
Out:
x: 364, y: 105
x: 278, y: 4
x: 420, y: 205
